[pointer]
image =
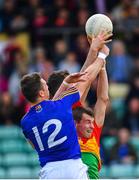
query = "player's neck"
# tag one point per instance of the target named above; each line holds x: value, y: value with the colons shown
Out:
x: 39, y: 100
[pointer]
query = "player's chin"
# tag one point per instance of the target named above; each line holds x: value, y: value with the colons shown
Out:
x: 88, y: 134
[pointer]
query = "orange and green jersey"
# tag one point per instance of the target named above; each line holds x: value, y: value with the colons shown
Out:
x: 90, y: 149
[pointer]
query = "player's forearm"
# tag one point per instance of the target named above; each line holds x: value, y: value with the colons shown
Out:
x: 102, y: 88
x: 60, y: 90
x: 84, y: 94
x: 91, y: 57
x: 92, y: 72
x: 102, y: 98
x: 94, y: 69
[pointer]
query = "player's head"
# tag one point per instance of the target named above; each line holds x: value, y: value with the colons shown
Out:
x: 55, y: 80
x: 84, y: 121
x: 34, y: 88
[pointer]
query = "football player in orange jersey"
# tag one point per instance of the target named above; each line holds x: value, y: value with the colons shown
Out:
x: 89, y: 127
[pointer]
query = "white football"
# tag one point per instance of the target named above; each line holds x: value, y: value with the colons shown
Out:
x: 97, y: 23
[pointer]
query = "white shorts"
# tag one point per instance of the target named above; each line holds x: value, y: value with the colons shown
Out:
x: 67, y: 169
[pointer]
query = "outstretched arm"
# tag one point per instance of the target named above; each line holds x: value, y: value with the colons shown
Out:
x: 93, y: 70
x: 102, y: 98
x: 96, y: 44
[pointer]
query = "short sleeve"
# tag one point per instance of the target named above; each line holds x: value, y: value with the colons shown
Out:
x: 70, y: 97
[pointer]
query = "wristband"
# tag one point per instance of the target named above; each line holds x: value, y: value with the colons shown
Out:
x: 102, y: 55
x: 65, y: 83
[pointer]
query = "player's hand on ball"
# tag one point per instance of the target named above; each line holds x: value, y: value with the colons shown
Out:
x: 104, y: 36
x: 105, y: 50
x: 76, y: 77
x: 98, y: 41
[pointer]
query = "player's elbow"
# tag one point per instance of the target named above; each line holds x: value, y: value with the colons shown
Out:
x: 105, y: 99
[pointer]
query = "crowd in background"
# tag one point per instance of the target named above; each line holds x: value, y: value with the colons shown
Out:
x: 56, y: 40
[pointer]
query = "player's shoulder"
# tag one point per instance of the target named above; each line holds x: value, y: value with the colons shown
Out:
x: 96, y: 126
x: 41, y: 107
x: 24, y: 119
x: 68, y: 92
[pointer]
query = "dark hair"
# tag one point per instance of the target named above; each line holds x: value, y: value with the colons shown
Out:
x: 55, y: 80
x: 30, y: 86
x: 78, y: 112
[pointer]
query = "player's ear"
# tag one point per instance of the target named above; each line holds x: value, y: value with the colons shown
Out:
x: 41, y: 93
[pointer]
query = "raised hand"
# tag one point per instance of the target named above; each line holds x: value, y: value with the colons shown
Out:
x: 101, y: 39
x: 76, y: 77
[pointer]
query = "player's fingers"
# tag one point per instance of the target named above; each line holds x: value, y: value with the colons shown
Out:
x: 104, y: 33
x: 108, y: 36
x: 100, y: 33
x: 103, y: 36
x: 83, y: 73
x: 74, y: 74
x: 107, y: 41
x: 79, y: 74
x: 83, y: 79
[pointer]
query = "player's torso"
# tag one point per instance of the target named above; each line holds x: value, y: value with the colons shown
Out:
x: 90, y: 146
x: 51, y: 129
x: 93, y: 164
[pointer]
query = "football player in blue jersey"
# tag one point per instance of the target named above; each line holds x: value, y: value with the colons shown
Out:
x: 49, y: 126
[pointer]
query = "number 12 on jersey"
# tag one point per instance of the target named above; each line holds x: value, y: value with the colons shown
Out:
x: 51, y: 139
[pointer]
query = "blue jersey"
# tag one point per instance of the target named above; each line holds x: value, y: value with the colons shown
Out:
x: 49, y: 125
